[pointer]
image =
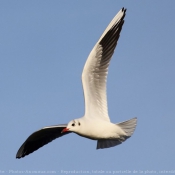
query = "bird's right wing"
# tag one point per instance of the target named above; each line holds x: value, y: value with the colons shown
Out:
x: 40, y: 138
x: 95, y: 71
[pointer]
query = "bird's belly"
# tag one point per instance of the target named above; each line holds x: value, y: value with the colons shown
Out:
x: 96, y: 133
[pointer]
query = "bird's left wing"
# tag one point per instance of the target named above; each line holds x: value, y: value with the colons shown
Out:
x: 40, y: 138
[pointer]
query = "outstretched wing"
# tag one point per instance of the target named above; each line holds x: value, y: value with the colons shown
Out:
x: 96, y: 69
x: 40, y: 138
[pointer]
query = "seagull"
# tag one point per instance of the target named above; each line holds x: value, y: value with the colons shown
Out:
x: 95, y: 124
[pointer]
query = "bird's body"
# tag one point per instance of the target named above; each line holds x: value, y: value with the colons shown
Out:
x: 97, y: 129
x: 95, y: 124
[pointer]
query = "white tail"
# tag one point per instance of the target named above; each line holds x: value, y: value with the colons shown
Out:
x: 128, y: 126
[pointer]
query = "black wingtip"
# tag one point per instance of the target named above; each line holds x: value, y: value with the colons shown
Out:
x: 20, y: 152
x: 124, y: 9
x: 18, y: 157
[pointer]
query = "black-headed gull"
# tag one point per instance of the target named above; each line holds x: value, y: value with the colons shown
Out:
x: 95, y: 124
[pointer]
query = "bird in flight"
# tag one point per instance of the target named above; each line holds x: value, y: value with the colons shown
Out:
x: 95, y: 124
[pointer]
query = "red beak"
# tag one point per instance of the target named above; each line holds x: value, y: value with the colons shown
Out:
x: 65, y: 130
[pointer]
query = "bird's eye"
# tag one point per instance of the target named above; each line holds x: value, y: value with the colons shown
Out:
x: 73, y: 124
x: 79, y: 123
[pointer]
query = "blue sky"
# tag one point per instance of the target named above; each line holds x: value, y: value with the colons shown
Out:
x: 43, y: 48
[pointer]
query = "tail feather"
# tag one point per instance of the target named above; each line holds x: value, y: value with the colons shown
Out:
x: 127, y: 126
x: 107, y: 143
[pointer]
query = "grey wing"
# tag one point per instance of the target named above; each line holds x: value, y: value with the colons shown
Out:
x: 95, y: 71
x: 40, y: 138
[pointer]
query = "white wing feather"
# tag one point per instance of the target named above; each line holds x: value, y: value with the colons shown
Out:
x: 96, y: 69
